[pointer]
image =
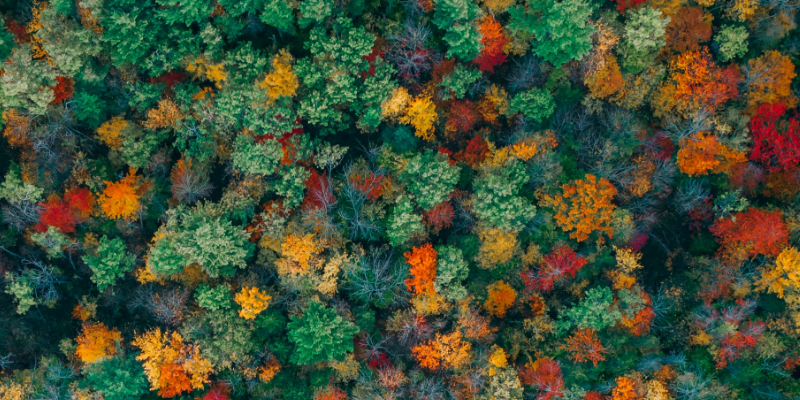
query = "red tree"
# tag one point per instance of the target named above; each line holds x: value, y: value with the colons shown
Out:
x: 546, y: 375
x: 493, y: 39
x: 440, y: 216
x: 776, y: 138
x: 556, y: 267
x: 752, y: 232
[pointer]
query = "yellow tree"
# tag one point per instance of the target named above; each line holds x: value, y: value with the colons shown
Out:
x: 584, y: 207
x: 253, y: 301
x: 96, y: 342
x: 281, y: 81
x: 110, y: 132
x: 421, y: 114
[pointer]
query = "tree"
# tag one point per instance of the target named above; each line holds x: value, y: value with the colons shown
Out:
x: 121, y: 199
x: 535, y: 104
x: 496, y: 202
x: 499, y: 299
x: 451, y: 269
x: 497, y: 247
x: 732, y: 42
x: 171, y: 366
x: 695, y: 84
x: 212, y: 299
x: 584, y: 346
x: 404, y: 223
x: 423, y: 270
x: 450, y: 12
x: 253, y: 301
x: 752, y: 232
x: 785, y: 276
x: 96, y: 342
x: 702, y: 153
x: 429, y: 178
x: 493, y: 40
x: 199, y: 236
x: 625, y: 389
x: 561, y: 29
x: 463, y: 41
x: 117, y: 378
x: 421, y: 114
x: 769, y: 79
x: 320, y: 335
x: 447, y: 351
x: 584, y: 207
x: 643, y: 37
x: 111, y: 132
x: 281, y: 81
x: 545, y: 374
x: 689, y: 28
x: 111, y: 262
x: 556, y: 267
x: 776, y: 138
x: 596, y: 311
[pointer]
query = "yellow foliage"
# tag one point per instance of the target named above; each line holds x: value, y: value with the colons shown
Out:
x: 524, y: 150
x: 201, y: 67
x: 429, y: 303
x: 253, y: 301
x: 500, y: 298
x: 17, y: 128
x: 15, y: 391
x: 97, y: 342
x: 656, y: 390
x: 742, y: 10
x: 110, y: 132
x: 165, y: 115
x: 785, y: 275
x: 421, y: 114
x: 393, y: 107
x: 499, y: 358
x: 498, y: 6
x: 627, y: 259
x: 160, y: 351
x: 298, y: 253
x: 120, y: 199
x: 498, y: 96
x: 773, y: 74
x: 497, y: 247
x: 281, y: 81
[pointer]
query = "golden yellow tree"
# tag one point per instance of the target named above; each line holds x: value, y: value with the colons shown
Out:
x: 110, y: 132
x: 97, y: 342
x: 281, y: 81
x: 166, y: 114
x: 253, y: 301
x: 421, y: 114
x: 171, y: 366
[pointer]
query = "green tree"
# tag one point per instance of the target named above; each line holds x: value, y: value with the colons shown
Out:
x: 21, y: 288
x: 451, y: 12
x: 320, y: 335
x: 312, y: 11
x: 213, y: 299
x: 596, y: 311
x: 199, y: 236
x: 643, y: 37
x: 496, y: 201
x: 429, y: 178
x: 111, y: 262
x: 732, y: 42
x: 457, y: 82
x: 116, y: 378
x: 463, y: 41
x: 451, y: 269
x: 535, y: 104
x: 256, y: 158
x: 560, y: 29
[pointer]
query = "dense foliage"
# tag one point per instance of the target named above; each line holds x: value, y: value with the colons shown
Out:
x: 399, y: 199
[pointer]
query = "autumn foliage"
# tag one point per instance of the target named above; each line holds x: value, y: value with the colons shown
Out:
x: 96, y: 342
x: 752, y: 232
x: 584, y: 207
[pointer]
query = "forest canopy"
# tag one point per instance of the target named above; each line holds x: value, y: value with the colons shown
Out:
x: 399, y: 199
